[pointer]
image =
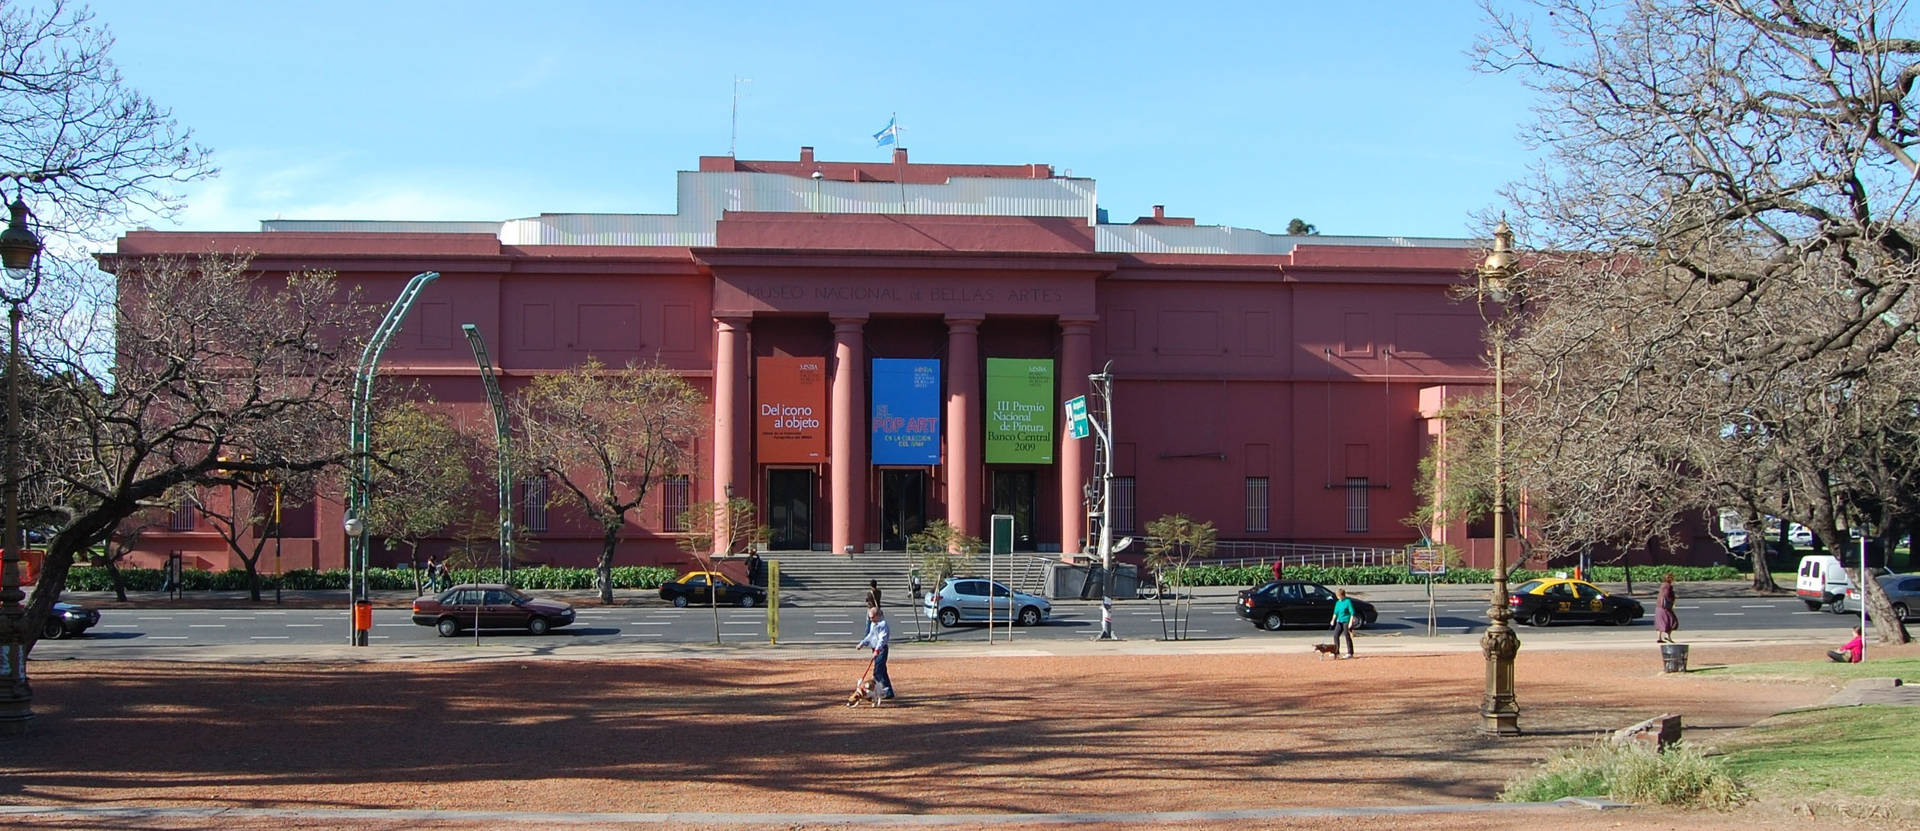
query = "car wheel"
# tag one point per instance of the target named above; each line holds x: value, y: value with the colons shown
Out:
x: 1029, y: 616
x: 1812, y: 605
x: 539, y: 626
x: 448, y: 627
x: 1272, y: 622
x: 53, y: 631
x: 949, y: 616
x: 746, y: 601
x: 680, y: 601
x: 1367, y: 619
x: 1838, y: 607
x: 1900, y: 611
x: 1542, y: 618
x: 1622, y: 617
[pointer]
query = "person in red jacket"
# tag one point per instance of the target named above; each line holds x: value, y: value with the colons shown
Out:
x: 1276, y: 569
x: 1851, y: 652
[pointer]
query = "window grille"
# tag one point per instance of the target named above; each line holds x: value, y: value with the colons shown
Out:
x: 679, y: 490
x: 1356, y: 504
x: 1123, y: 504
x: 533, y: 504
x: 1256, y: 503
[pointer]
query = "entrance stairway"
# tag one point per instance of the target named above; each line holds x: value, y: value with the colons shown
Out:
x: 823, y: 578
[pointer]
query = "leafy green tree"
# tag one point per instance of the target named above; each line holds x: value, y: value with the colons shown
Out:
x: 736, y: 521
x: 1298, y: 227
x: 423, y: 475
x: 943, y: 550
x: 608, y: 436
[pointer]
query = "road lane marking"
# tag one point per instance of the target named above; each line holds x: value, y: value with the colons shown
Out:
x: 304, y: 625
x: 270, y: 637
x: 167, y: 637
x: 839, y: 634
x: 651, y: 623
x: 1728, y: 614
x: 169, y: 617
x: 206, y: 626
x: 641, y: 635
x: 1758, y: 606
x: 248, y: 617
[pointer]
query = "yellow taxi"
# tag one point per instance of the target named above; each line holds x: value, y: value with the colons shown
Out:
x: 1551, y: 599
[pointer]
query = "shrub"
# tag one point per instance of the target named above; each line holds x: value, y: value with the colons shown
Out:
x: 1254, y: 575
x: 1682, y: 775
x: 96, y: 579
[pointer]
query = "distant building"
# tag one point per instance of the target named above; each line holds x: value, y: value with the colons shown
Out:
x: 889, y: 343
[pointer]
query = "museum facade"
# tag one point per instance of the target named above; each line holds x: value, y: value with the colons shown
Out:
x: 887, y: 343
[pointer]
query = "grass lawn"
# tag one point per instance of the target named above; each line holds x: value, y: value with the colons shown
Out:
x: 1847, y: 757
x: 1905, y: 669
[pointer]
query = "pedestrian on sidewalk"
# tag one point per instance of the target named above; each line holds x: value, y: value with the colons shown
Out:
x: 877, y: 636
x: 1665, y: 621
x: 1851, y: 652
x: 756, y: 569
x: 1276, y: 568
x: 1342, y: 622
x: 873, y: 594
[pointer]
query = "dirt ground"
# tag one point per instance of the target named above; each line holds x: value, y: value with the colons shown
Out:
x: 987, y: 735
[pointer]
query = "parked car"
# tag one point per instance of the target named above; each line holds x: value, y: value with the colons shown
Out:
x: 1541, y: 602
x: 1903, y: 591
x: 704, y: 587
x: 1821, y: 581
x: 1283, y: 603
x: 972, y: 598
x: 1800, y: 535
x: 68, y: 621
x: 483, y: 606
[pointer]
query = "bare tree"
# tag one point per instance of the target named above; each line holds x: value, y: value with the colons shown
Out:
x: 1174, y: 542
x: 1723, y: 289
x: 609, y: 436
x: 82, y: 147
x: 736, y: 521
x: 215, y: 374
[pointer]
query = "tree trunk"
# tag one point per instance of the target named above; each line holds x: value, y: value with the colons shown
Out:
x: 603, y: 573
x: 1762, y: 565
x: 119, y: 580
x: 1886, y: 625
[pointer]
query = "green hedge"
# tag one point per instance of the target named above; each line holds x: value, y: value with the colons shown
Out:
x: 95, y: 578
x: 1209, y: 575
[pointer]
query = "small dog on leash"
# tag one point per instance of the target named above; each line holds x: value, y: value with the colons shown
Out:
x: 863, y: 691
x: 1327, y: 650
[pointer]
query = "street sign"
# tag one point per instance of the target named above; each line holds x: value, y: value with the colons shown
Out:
x: 1426, y: 561
x: 1077, y: 427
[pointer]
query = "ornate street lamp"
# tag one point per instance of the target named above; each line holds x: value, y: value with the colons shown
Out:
x: 1499, y: 711
x: 20, y: 253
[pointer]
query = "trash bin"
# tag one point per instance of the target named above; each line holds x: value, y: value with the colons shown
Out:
x: 363, y: 615
x: 1675, y: 656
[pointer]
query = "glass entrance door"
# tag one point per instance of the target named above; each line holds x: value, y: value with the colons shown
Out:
x: 903, y: 507
x: 790, y: 509
x: 1013, y: 493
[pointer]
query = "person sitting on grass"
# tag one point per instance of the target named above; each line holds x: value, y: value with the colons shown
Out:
x: 1851, y: 652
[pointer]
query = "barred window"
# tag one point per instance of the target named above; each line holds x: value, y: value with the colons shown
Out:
x: 1256, y: 503
x: 1356, y: 504
x: 533, y: 504
x: 674, y: 502
x: 182, y: 519
x: 1123, y: 504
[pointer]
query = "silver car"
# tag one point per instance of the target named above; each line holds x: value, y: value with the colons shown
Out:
x: 1903, y: 591
x: 967, y: 599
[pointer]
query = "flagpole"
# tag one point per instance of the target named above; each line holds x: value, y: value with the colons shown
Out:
x: 899, y: 170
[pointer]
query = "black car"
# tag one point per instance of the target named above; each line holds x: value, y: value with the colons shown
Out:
x: 67, y: 620
x: 1296, y: 603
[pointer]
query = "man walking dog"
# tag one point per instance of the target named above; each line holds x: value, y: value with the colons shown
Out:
x: 877, y: 636
x: 1343, y: 620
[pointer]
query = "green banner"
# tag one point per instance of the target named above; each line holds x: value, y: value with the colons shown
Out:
x: 1019, y: 416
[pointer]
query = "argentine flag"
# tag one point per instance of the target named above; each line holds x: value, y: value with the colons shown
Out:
x: 889, y: 134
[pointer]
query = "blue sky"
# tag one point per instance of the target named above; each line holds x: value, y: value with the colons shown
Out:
x: 1361, y: 117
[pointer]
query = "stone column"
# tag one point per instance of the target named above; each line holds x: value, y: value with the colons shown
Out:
x: 847, y: 444
x: 729, y: 382
x: 729, y: 378
x: 964, y: 472
x: 1076, y: 455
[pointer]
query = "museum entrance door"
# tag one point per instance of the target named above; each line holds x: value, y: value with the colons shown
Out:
x: 903, y: 507
x: 1013, y: 493
x: 790, y: 509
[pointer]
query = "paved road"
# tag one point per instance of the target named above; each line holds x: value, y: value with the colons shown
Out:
x: 1212, y: 618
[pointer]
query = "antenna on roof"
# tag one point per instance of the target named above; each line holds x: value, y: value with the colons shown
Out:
x: 733, y: 130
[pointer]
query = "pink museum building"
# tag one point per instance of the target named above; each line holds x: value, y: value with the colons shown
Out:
x: 887, y: 343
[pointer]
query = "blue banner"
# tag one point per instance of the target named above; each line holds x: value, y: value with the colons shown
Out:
x: 906, y: 411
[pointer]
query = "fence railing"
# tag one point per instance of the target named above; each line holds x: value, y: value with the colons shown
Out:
x: 1236, y: 553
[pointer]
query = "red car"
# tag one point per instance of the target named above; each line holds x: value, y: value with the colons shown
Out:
x: 476, y: 606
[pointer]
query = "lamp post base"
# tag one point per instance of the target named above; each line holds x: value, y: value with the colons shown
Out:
x: 16, y: 698
x: 1499, y: 709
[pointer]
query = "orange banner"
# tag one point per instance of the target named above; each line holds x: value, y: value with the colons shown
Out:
x: 790, y: 409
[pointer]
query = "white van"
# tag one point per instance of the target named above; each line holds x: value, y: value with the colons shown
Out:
x: 1822, y: 581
